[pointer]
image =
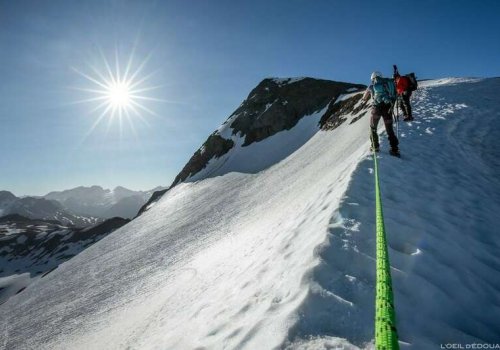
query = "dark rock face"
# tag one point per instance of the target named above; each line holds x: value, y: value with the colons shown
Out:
x: 334, y: 115
x: 214, y: 147
x: 156, y: 195
x: 276, y: 105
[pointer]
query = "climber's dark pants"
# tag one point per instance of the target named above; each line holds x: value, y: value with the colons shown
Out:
x: 404, y: 102
x: 383, y: 110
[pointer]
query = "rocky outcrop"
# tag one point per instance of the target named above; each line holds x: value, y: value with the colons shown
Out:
x: 214, y: 147
x: 336, y: 112
x: 154, y: 197
x: 278, y: 104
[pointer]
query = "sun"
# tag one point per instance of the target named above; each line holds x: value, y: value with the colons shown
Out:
x: 118, y: 92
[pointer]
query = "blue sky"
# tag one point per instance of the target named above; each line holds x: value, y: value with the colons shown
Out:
x: 206, y: 56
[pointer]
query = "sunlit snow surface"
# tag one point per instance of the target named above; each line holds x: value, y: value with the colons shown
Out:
x: 285, y: 257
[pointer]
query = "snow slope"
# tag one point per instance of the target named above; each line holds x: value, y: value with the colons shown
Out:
x: 283, y: 258
x: 441, y: 204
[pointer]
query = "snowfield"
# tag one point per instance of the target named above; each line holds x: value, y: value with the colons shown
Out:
x: 283, y: 256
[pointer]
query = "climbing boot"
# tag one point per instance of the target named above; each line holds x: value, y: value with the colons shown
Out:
x: 394, y: 152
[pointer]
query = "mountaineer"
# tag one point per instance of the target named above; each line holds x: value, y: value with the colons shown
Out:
x: 405, y: 85
x: 383, y: 93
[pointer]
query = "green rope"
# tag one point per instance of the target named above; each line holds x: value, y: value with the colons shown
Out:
x: 386, y: 335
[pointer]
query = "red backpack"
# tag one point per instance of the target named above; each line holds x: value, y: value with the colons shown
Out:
x: 412, y: 83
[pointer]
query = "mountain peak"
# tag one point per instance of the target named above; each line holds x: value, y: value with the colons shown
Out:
x: 6, y: 195
x: 277, y: 104
x: 119, y: 188
x: 285, y: 81
x: 274, y: 105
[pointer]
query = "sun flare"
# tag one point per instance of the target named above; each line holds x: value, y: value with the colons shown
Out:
x: 118, y: 92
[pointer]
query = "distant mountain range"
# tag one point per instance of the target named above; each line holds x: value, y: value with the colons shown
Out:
x: 43, y: 209
x: 38, y: 233
x: 80, y: 206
